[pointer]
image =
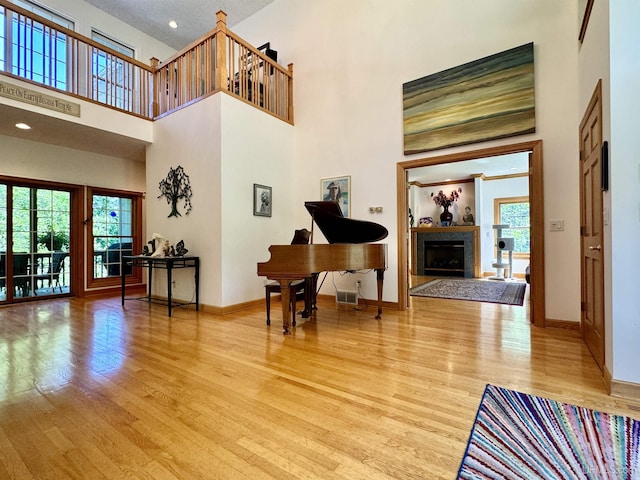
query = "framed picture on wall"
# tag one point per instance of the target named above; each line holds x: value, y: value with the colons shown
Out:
x: 337, y: 189
x: 262, y: 200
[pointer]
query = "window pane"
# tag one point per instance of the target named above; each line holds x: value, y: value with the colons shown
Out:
x: 112, y: 43
x: 43, y: 12
x: 112, y: 233
x: 53, y: 220
x: 37, y: 52
x: 517, y: 216
x: 111, y: 80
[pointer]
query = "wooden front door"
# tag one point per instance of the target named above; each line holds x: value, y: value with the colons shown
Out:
x: 591, y: 223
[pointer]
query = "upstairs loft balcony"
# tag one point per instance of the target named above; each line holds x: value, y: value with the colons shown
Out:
x: 39, y: 51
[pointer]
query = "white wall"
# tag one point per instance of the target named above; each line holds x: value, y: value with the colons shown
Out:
x: 189, y: 138
x: 424, y: 205
x: 593, y: 66
x: 609, y: 54
x: 625, y: 184
x: 350, y: 61
x: 225, y: 146
x: 256, y: 148
x: 35, y: 160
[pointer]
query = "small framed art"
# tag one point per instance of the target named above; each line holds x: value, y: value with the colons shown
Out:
x: 262, y: 200
x: 337, y: 189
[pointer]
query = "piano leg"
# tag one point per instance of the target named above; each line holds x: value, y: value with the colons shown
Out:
x: 380, y: 280
x: 285, y: 292
x: 310, y: 295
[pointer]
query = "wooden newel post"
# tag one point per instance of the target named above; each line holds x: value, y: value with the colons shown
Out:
x: 221, y: 51
x: 290, y: 112
x: 155, y: 106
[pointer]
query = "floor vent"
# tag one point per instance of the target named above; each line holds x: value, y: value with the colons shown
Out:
x: 346, y: 297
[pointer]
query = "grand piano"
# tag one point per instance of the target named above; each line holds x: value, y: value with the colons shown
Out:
x: 349, y: 249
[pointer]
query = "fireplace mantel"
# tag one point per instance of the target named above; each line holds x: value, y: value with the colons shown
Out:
x: 470, y: 234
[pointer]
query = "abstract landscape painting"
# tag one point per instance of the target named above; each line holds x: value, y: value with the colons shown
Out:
x: 486, y: 99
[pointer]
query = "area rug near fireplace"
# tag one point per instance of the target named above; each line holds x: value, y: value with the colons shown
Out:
x: 509, y: 293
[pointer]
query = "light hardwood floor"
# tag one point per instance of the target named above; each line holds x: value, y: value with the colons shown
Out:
x: 89, y: 390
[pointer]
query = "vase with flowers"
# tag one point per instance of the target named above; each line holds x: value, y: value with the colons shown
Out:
x: 445, y: 201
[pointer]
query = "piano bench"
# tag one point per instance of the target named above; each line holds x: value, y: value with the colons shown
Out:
x: 295, y: 288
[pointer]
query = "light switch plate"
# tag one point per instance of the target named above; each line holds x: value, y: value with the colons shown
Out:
x: 556, y: 225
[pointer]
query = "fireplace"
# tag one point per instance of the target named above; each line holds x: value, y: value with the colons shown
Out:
x: 441, y: 251
x: 444, y: 257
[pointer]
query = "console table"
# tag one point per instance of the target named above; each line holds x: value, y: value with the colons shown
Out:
x: 165, y: 263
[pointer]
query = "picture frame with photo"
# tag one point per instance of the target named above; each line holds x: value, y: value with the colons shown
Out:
x: 337, y: 189
x: 262, y: 200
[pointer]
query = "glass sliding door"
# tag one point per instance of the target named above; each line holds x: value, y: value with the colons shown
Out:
x: 3, y: 242
x: 34, y: 242
x: 53, y: 221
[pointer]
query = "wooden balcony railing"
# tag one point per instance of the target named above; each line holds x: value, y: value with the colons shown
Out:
x: 222, y: 61
x: 39, y: 51
x: 42, y: 52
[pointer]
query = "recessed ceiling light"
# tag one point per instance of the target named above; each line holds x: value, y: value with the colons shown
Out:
x: 173, y: 24
x: 23, y: 126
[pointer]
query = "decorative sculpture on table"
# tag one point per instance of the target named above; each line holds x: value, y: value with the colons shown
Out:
x: 159, y: 243
x: 160, y: 247
x: 175, y: 187
x: 180, y: 250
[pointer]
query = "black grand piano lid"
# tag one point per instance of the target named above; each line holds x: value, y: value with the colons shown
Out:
x: 339, y: 229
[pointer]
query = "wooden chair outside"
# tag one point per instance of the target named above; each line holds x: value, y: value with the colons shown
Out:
x: 53, y: 271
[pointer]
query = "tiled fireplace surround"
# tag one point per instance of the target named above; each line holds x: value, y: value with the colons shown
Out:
x: 468, y: 235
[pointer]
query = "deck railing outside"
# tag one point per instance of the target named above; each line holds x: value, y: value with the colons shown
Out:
x: 37, y: 50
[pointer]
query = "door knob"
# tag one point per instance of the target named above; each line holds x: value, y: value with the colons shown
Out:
x: 597, y: 247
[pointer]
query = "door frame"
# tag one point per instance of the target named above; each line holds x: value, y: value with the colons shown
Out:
x: 76, y: 223
x: 534, y: 148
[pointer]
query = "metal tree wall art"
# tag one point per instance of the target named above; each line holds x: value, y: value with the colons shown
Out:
x: 175, y: 187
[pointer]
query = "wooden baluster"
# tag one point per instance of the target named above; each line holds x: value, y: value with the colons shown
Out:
x: 290, y: 94
x: 221, y: 49
x: 157, y: 77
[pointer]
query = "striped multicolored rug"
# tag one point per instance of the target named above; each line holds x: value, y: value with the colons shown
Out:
x: 520, y: 436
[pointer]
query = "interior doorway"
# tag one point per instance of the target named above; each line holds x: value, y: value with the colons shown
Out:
x: 534, y: 150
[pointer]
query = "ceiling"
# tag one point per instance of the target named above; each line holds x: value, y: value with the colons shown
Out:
x: 195, y: 18
x: 512, y: 164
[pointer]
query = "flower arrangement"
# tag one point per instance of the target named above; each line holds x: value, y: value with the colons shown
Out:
x: 445, y: 201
